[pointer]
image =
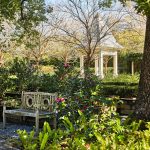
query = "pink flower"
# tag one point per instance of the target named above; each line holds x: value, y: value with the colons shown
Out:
x: 62, y: 99
x: 58, y: 99
x: 66, y: 65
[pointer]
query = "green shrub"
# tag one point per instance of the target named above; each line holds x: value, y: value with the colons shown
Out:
x: 120, y: 90
x: 122, y: 78
x: 27, y: 140
x: 67, y: 81
x: 6, y: 83
x: 124, y: 85
x: 24, y: 72
x: 73, y: 85
x: 43, y: 83
x: 49, y: 83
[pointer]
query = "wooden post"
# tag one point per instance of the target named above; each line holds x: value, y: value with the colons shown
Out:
x: 37, y: 120
x: 4, y: 115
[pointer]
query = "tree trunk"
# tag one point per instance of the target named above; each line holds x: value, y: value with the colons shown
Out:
x: 142, y: 107
x: 87, y: 64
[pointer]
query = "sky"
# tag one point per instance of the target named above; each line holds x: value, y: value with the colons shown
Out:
x: 50, y: 1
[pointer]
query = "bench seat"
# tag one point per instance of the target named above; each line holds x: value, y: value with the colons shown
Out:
x: 28, y: 113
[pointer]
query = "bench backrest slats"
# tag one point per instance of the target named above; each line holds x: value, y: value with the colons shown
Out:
x: 40, y: 100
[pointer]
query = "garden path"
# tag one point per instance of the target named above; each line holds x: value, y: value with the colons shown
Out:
x: 9, y: 133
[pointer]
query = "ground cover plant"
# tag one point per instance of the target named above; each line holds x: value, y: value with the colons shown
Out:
x: 105, y: 132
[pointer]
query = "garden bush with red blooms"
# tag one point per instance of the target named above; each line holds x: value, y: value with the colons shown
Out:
x: 86, y: 120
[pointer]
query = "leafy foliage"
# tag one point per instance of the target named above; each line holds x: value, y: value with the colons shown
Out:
x: 142, y: 6
x: 134, y: 57
x: 28, y: 141
x: 24, y: 72
x: 99, y: 132
x: 131, y: 40
x: 122, y: 79
x: 25, y: 15
x: 5, y: 81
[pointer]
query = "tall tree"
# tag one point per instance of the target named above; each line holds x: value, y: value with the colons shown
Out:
x: 20, y: 19
x: 84, y: 25
x: 22, y: 13
x: 142, y: 110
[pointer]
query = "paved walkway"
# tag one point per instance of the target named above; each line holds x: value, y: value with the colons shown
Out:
x: 10, y: 132
x: 5, y: 146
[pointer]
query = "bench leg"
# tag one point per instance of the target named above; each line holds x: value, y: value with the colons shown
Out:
x: 4, y: 117
x: 23, y: 119
x: 37, y: 121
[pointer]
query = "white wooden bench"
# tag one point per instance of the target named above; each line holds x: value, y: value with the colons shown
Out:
x: 34, y: 104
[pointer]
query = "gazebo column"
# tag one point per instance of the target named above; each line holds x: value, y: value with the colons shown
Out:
x: 96, y: 65
x: 101, y: 67
x: 132, y: 67
x: 115, y: 65
x: 82, y: 65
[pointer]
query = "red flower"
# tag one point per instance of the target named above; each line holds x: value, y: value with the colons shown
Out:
x: 85, y: 107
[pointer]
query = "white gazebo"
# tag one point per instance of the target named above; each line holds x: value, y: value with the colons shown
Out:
x: 108, y: 47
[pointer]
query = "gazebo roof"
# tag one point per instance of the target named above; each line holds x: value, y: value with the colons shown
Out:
x: 109, y: 41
